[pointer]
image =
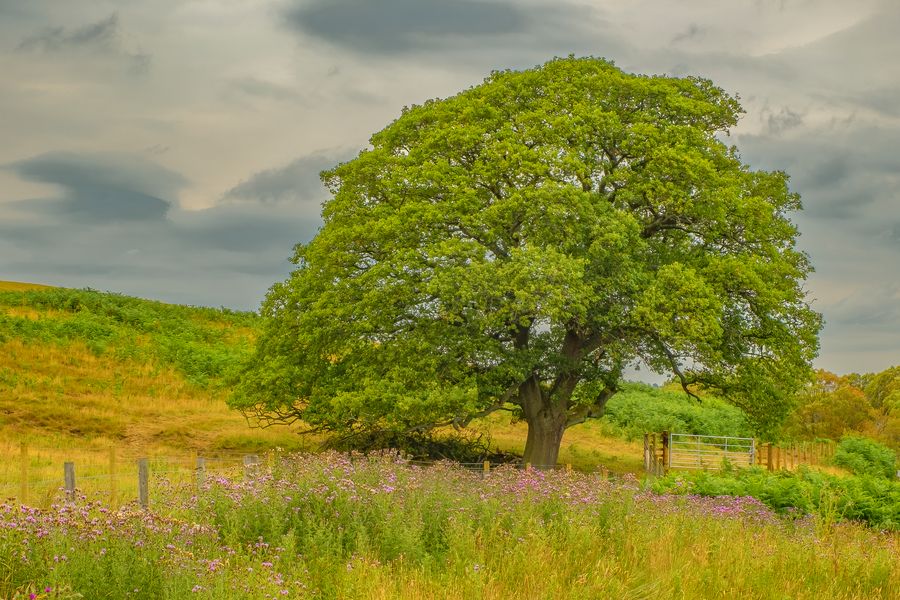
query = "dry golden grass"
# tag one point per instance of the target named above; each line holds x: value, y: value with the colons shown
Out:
x: 67, y: 404
x: 16, y: 286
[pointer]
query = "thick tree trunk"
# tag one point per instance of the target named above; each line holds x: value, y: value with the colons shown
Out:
x: 545, y: 435
x: 546, y: 418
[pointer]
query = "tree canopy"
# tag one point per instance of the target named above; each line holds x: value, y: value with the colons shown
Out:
x: 518, y: 245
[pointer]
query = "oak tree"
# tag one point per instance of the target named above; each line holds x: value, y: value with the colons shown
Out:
x: 518, y: 245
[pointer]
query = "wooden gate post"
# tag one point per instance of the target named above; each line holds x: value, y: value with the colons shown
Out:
x: 665, y: 451
x: 646, y: 452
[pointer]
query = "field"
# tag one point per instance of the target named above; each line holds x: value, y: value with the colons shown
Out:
x: 334, y: 526
x: 102, y: 380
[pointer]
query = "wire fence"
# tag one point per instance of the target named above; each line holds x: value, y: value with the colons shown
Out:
x: 40, y: 476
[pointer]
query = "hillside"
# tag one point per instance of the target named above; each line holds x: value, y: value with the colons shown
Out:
x: 83, y: 373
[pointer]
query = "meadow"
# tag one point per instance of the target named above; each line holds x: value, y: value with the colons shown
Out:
x: 343, y: 526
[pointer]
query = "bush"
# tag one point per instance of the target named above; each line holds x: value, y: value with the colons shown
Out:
x: 864, y: 456
x: 868, y: 499
x: 639, y: 409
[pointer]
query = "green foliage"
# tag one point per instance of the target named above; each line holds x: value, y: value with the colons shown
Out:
x: 524, y: 241
x: 865, y: 456
x: 204, y: 344
x: 639, y: 409
x: 464, y: 446
x: 870, y: 499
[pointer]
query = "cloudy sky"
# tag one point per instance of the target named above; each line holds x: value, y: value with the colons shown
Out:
x: 170, y: 149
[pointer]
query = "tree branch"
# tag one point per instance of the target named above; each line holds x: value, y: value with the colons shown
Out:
x: 673, y: 363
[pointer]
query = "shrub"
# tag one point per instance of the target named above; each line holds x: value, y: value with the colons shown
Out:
x: 639, y: 408
x: 869, y: 499
x: 864, y: 456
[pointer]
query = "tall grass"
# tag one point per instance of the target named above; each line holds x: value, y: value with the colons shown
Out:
x: 337, y: 527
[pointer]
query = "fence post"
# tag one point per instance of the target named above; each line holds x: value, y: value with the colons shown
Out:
x: 143, y: 483
x: 201, y: 472
x: 486, y: 467
x: 665, y: 450
x: 646, y: 452
x: 23, y: 491
x: 112, y: 476
x: 251, y: 461
x: 568, y: 467
x: 769, y: 465
x: 69, y: 475
x: 653, y: 454
x: 528, y: 466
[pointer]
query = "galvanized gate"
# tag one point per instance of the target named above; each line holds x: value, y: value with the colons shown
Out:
x: 710, y: 452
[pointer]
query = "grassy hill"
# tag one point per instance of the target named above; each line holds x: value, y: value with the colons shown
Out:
x: 83, y: 372
x: 90, y: 368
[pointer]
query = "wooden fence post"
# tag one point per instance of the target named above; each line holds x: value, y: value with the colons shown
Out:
x: 486, y: 467
x: 112, y: 476
x: 143, y: 483
x: 665, y: 451
x: 568, y: 467
x: 251, y: 462
x: 646, y: 452
x: 23, y: 491
x: 69, y: 475
x: 769, y: 465
x: 201, y: 472
x: 528, y: 466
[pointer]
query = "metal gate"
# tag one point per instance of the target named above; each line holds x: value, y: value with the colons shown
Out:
x: 710, y: 452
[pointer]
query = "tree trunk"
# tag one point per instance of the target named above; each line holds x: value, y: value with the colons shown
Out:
x: 546, y: 420
x: 545, y: 435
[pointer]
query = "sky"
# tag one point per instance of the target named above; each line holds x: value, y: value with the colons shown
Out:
x: 171, y: 149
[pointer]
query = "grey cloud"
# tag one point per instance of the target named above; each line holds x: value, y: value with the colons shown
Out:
x: 296, y: 181
x: 841, y: 173
x: 260, y: 88
x: 693, y: 32
x: 783, y: 120
x: 101, y: 187
x: 227, y: 254
x: 102, y: 37
x: 391, y: 26
x: 247, y: 229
